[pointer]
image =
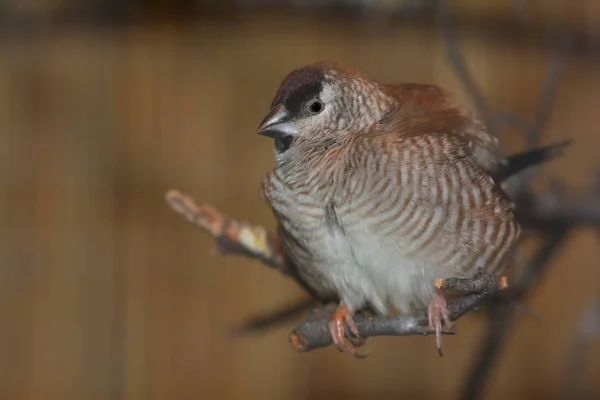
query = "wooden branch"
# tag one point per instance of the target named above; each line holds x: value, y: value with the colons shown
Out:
x: 233, y: 237
x: 314, y: 333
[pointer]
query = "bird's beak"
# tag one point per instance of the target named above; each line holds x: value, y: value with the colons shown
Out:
x: 278, y: 123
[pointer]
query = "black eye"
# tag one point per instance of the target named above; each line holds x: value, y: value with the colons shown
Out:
x: 315, y: 106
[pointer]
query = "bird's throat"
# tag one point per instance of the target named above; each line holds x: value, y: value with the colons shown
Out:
x: 283, y: 144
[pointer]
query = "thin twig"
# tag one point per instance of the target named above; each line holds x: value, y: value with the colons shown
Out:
x: 233, y: 237
x: 260, y: 323
x: 556, y: 65
x: 550, y: 209
x: 502, y: 316
x: 457, y: 60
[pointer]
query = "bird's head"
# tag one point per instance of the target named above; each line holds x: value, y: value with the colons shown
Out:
x: 322, y: 102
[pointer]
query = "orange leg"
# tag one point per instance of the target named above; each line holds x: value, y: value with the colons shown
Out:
x: 437, y: 312
x: 336, y: 328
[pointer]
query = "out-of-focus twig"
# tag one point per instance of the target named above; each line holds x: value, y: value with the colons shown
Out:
x: 502, y: 315
x: 457, y: 60
x: 233, y: 236
x: 556, y: 64
x: 260, y: 323
x: 587, y: 331
x: 538, y: 212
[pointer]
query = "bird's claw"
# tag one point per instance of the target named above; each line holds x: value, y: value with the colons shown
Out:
x: 439, y: 321
x: 338, y: 334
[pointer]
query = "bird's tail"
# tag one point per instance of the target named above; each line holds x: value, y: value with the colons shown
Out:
x: 512, y: 165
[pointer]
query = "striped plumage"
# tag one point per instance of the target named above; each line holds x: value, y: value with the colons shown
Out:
x: 384, y: 190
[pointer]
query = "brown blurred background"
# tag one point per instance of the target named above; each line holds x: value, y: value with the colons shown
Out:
x: 105, y: 293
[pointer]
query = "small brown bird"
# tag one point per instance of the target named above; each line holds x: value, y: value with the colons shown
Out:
x: 380, y: 189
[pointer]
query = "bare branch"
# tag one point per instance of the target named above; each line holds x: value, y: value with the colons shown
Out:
x: 314, y: 333
x: 556, y: 64
x: 539, y: 212
x: 481, y: 282
x: 233, y: 237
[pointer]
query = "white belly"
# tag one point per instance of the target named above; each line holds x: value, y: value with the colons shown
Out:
x: 363, y: 271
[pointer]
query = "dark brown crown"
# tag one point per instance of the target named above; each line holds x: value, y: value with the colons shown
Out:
x: 299, y: 86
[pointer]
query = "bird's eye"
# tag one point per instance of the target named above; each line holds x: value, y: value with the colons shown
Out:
x: 315, y: 106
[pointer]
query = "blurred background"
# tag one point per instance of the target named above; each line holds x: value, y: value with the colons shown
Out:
x: 105, y: 293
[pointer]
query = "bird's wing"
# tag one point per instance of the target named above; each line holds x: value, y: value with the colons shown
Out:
x: 429, y: 109
x: 444, y: 170
x: 443, y: 205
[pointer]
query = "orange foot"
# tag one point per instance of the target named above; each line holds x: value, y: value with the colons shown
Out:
x: 336, y: 328
x: 437, y: 312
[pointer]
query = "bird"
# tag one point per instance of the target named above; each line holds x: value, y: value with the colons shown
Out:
x: 380, y: 189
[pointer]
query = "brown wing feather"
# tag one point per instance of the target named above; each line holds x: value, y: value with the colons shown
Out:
x: 429, y: 109
x: 465, y: 220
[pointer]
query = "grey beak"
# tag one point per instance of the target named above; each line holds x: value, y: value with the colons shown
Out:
x: 278, y: 123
